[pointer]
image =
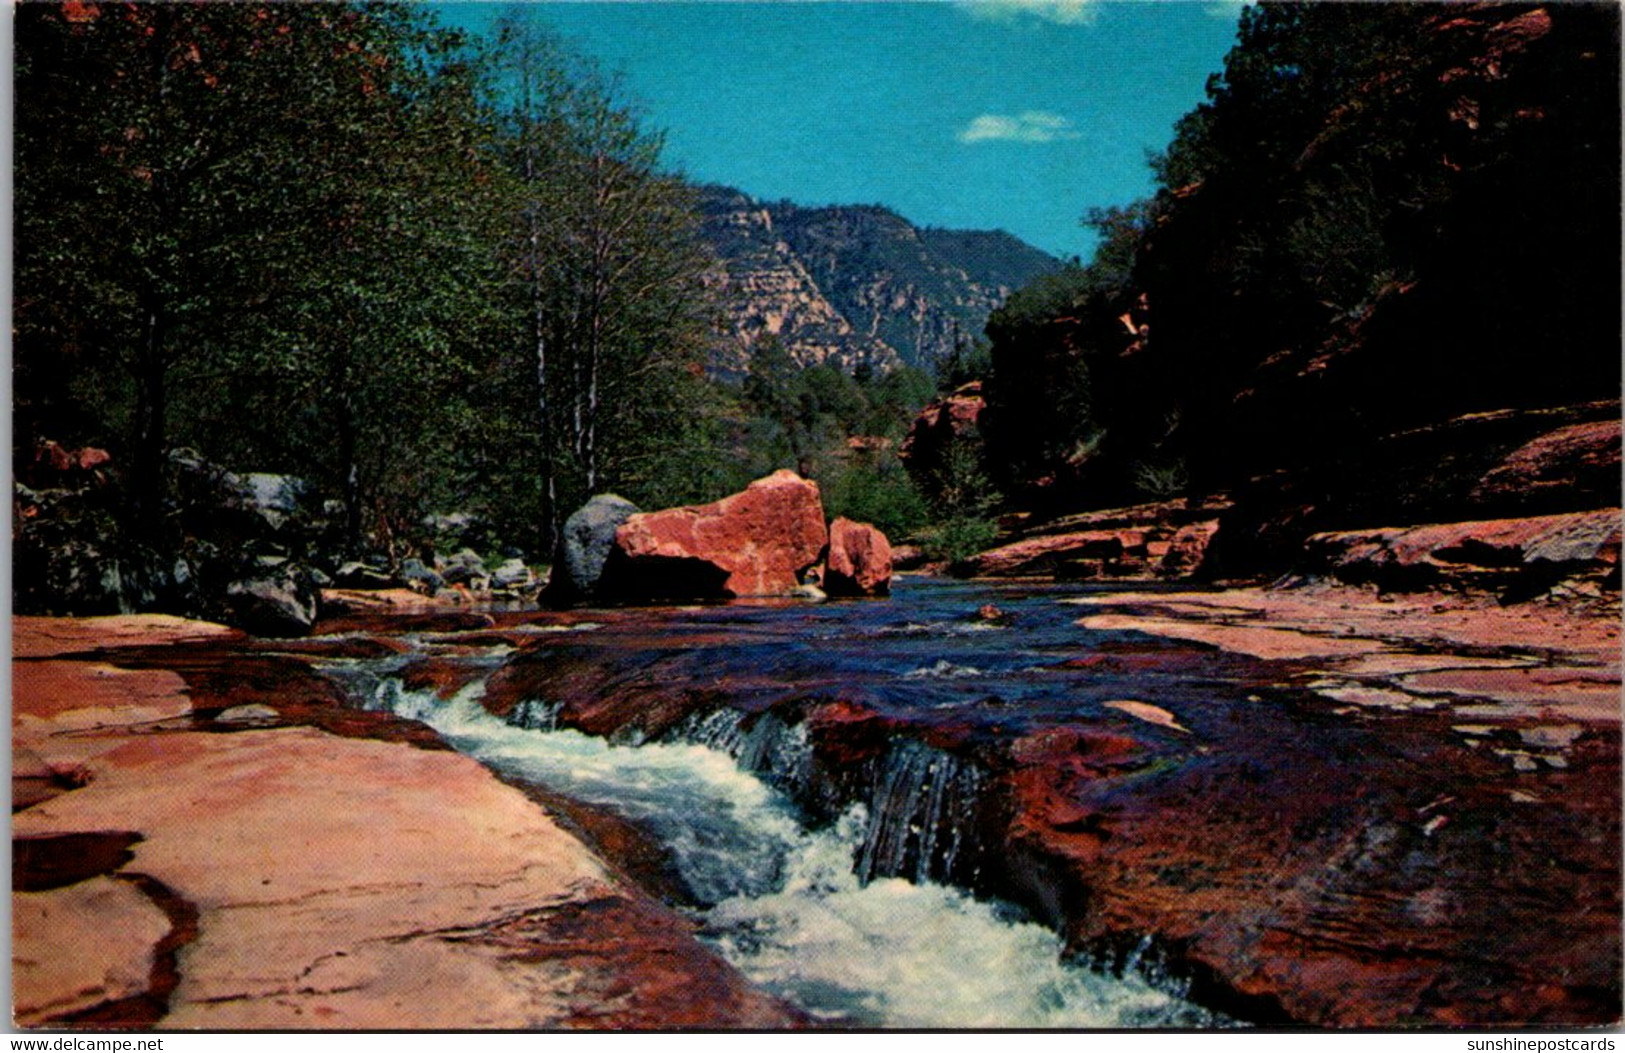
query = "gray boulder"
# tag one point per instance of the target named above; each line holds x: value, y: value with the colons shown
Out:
x: 466, y: 568
x: 420, y: 577
x: 276, y: 499
x: 584, y: 545
x: 512, y: 574
x: 279, y: 601
x: 354, y: 575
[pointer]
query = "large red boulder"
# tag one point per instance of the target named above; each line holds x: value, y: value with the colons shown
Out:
x: 859, y: 562
x: 759, y: 542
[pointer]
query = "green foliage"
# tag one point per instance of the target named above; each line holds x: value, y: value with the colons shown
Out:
x: 880, y: 493
x: 1161, y: 482
x: 959, y: 487
x: 970, y: 360
x: 1359, y: 232
x: 959, y: 538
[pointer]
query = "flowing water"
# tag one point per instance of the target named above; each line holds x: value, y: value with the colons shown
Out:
x: 844, y: 919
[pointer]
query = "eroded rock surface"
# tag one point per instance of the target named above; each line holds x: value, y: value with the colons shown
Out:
x: 301, y: 869
x: 1316, y: 806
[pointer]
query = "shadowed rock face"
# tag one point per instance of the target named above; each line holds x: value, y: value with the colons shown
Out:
x: 1524, y: 556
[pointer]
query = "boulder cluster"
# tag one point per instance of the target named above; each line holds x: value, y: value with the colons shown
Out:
x: 253, y: 550
x: 770, y: 539
x: 261, y: 552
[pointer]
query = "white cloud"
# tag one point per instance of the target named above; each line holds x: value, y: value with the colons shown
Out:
x: 1066, y: 12
x: 1224, y: 9
x: 1034, y: 126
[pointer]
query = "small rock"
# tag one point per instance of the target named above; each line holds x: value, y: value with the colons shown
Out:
x: 253, y: 713
x: 361, y: 576
x: 1554, y: 736
x: 512, y: 574
x: 1521, y: 761
x: 280, y: 603
x: 1147, y: 712
x: 859, y: 561
x: 466, y: 568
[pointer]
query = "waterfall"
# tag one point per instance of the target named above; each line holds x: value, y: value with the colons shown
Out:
x: 922, y: 816
x: 534, y: 714
x: 760, y: 743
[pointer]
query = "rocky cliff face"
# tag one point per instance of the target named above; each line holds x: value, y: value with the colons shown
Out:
x: 854, y: 285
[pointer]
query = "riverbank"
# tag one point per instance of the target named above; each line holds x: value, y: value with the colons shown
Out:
x: 207, y: 839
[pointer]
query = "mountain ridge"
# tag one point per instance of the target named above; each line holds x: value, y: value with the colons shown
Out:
x: 854, y: 285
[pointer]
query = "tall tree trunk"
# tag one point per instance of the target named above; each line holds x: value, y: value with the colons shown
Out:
x: 147, y: 496
x: 544, y: 408
x: 350, y: 462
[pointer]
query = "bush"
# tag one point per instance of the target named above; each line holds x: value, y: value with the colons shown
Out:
x: 959, y: 538
x: 873, y: 494
x: 1161, y: 482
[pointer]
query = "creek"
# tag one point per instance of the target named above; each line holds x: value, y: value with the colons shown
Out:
x: 857, y: 911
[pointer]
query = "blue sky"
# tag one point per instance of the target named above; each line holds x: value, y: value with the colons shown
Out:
x: 1020, y: 114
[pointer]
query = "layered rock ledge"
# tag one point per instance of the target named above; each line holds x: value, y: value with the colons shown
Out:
x: 203, y: 841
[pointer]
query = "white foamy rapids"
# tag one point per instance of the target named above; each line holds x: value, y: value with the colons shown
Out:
x: 788, y: 910
x: 942, y: 670
x: 727, y: 831
x: 957, y: 628
x: 896, y: 954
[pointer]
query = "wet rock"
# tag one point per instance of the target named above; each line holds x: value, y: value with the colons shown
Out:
x: 760, y: 542
x: 253, y: 713
x: 859, y: 561
x: 277, y: 830
x: 994, y: 615
x: 584, y: 545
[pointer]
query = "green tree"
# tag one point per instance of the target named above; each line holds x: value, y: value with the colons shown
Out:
x: 611, y: 267
x: 264, y: 216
